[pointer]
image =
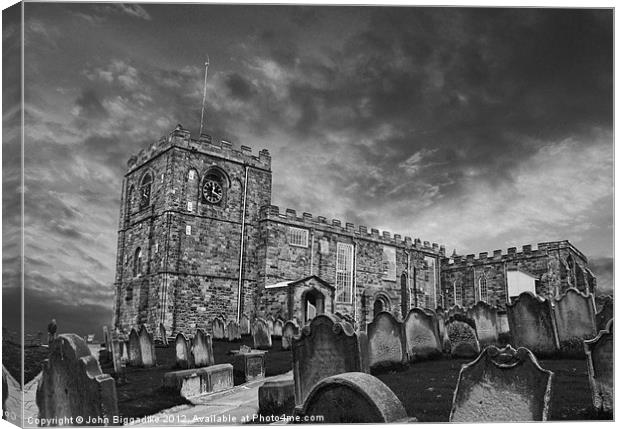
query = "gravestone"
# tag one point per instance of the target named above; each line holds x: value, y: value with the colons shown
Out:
x: 233, y: 331
x: 325, y: 347
x: 277, y: 328
x: 202, y: 349
x: 117, y: 363
x: 277, y: 397
x: 443, y: 333
x: 421, y: 335
x: 162, y: 334
x: 182, y: 348
x: 261, y: 334
x: 135, y: 351
x: 532, y: 325
x: 575, y: 320
x: 353, y: 397
x: 190, y: 383
x: 386, y: 345
x: 502, y: 385
x: 462, y: 334
x: 124, y: 350
x: 270, y: 322
x: 244, y: 325
x: 249, y: 366
x: 487, y: 324
x: 218, y: 328
x: 605, y: 313
x: 290, y: 330
x: 72, y: 385
x: 600, y: 361
x: 147, y: 348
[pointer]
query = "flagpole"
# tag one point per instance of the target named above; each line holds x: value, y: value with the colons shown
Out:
x: 204, y: 95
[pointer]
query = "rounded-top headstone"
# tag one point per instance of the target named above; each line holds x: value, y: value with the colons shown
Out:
x: 353, y: 397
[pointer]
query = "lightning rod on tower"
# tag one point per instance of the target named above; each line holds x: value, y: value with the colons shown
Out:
x: 204, y: 95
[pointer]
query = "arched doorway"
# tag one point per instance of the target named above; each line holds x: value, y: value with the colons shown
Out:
x: 382, y: 303
x: 313, y: 303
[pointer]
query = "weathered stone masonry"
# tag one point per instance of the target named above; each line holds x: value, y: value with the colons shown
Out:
x: 182, y: 261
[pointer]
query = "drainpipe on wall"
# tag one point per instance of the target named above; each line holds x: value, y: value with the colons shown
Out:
x: 312, y: 252
x: 240, y: 286
x: 354, y: 281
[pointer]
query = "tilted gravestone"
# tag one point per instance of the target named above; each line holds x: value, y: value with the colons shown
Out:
x: 277, y: 328
x: 600, y: 361
x: 270, y: 322
x: 218, y: 328
x: 135, y: 351
x: 605, y: 313
x: 462, y: 334
x: 182, y: 347
x: 290, y: 330
x: 117, y: 363
x: 487, y: 323
x: 72, y: 385
x: 202, y: 349
x: 575, y: 321
x: 353, y: 397
x: 421, y: 335
x: 386, y: 343
x: 147, y: 348
x: 326, y: 347
x: 532, y: 325
x: 502, y: 385
x: 261, y: 334
x: 232, y: 329
x: 244, y: 325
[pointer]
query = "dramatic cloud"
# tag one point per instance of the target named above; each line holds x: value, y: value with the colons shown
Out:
x: 480, y: 129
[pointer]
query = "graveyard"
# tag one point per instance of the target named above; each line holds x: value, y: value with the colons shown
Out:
x: 433, y: 366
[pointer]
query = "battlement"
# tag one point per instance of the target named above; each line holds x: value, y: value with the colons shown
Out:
x: 222, y: 148
x: 527, y: 250
x: 290, y: 216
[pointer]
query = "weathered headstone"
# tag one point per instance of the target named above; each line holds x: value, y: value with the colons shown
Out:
x: 277, y: 328
x: 218, y: 328
x: 261, y: 334
x: 462, y: 334
x: 277, y: 397
x: 182, y: 348
x: 487, y: 325
x: 244, y: 325
x: 249, y: 365
x: 353, y: 397
x: 117, y: 362
x: 72, y: 386
x: 147, y: 348
x: 575, y: 320
x: 421, y: 335
x: 532, y: 325
x: 124, y: 349
x: 190, y: 383
x: 605, y: 313
x: 325, y: 347
x: 600, y: 360
x: 502, y: 385
x: 162, y: 334
x: 386, y: 343
x: 202, y: 349
x: 135, y: 351
x: 270, y: 322
x: 232, y: 329
x: 289, y: 330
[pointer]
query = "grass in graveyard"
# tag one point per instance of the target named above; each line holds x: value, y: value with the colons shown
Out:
x: 33, y: 359
x: 143, y: 395
x: 426, y: 389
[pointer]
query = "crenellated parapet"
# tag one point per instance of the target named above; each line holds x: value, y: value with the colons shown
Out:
x: 512, y: 254
x: 307, y: 220
x: 221, y: 148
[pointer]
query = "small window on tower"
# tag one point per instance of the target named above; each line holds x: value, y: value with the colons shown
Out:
x: 137, y: 263
x: 192, y: 175
x: 190, y: 206
x: 188, y: 230
x: 145, y: 191
x: 298, y: 237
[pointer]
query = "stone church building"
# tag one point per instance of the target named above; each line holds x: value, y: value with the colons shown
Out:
x: 198, y: 237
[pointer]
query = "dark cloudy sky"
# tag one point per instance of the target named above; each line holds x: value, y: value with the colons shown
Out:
x: 479, y: 129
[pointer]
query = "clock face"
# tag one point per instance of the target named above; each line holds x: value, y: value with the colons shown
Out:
x: 212, y: 191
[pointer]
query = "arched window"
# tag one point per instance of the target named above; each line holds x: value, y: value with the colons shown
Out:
x: 145, y: 190
x: 137, y: 263
x: 458, y: 294
x: 483, y: 292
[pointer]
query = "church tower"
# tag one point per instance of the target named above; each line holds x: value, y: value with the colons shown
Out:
x: 188, y: 232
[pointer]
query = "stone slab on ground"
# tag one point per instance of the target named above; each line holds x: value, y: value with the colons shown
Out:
x: 199, y: 381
